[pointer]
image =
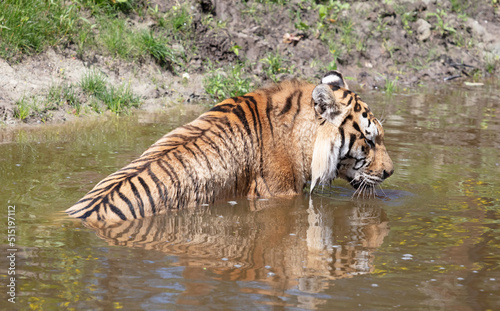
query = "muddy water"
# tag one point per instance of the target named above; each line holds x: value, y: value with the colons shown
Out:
x: 430, y: 242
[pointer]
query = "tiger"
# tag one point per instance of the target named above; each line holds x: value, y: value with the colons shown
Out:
x: 268, y: 143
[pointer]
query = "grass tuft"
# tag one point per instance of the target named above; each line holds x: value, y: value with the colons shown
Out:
x: 23, y: 110
x: 221, y: 84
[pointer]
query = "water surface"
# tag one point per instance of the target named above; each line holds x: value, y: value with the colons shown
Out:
x: 431, y: 241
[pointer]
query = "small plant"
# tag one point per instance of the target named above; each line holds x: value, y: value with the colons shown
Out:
x: 60, y: 94
x: 179, y: 18
x: 118, y: 100
x: 177, y: 21
x: 23, y: 110
x: 93, y: 83
x: 331, y: 66
x: 71, y: 97
x: 491, y: 62
x: 347, y: 38
x: 117, y: 38
x: 406, y: 19
x: 274, y: 64
x: 299, y: 23
x: 441, y: 25
x: 220, y: 84
x: 331, y: 10
x: 458, y: 6
x: 391, y: 86
x: 235, y: 49
x: 84, y: 36
x: 157, y: 49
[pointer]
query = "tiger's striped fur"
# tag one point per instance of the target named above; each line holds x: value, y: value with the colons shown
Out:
x: 258, y: 145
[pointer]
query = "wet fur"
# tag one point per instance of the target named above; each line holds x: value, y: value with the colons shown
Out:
x: 266, y: 143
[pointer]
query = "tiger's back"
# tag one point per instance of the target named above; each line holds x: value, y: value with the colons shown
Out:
x: 239, y: 147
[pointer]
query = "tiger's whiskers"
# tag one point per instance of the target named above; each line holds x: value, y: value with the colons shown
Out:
x: 366, y: 188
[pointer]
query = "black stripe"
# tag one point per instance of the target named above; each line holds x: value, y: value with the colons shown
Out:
x: 299, y: 97
x: 352, y: 138
x: 227, y: 140
x: 342, y: 139
x: 194, y: 128
x: 349, y: 102
x: 138, y: 198
x: 210, y: 142
x: 93, y: 199
x: 269, y: 107
x: 333, y: 86
x: 356, y: 126
x: 257, y: 134
x: 256, y: 108
x: 117, y: 211
x: 146, y: 189
x: 238, y: 111
x: 174, y: 177
x: 179, y: 158
x: 195, y: 155
x: 102, y: 189
x: 288, y: 104
x: 183, y: 137
x: 357, y: 107
x: 226, y: 135
x: 222, y: 108
x: 221, y: 140
x: 159, y: 186
x: 349, y: 117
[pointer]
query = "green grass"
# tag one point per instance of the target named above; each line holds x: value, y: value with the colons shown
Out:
x: 59, y: 95
x: 391, y: 86
x: 117, y: 99
x: 23, y: 110
x: 221, y: 84
x: 29, y: 26
x: 93, y: 92
x: 441, y: 25
x: 118, y: 38
x: 275, y: 64
x: 120, y: 99
x: 158, y: 48
x: 93, y: 82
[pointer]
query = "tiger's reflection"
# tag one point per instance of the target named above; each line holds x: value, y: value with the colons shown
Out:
x: 285, y: 242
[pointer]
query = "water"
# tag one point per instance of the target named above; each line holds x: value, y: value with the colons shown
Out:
x: 432, y: 242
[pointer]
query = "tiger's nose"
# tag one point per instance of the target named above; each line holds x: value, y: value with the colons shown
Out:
x: 387, y: 174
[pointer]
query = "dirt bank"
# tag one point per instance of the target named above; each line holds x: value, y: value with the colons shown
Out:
x: 377, y: 44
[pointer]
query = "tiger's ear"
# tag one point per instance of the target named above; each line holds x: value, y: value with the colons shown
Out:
x: 327, y: 106
x: 335, y: 80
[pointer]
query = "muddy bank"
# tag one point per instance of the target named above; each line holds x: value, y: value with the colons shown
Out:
x: 378, y: 44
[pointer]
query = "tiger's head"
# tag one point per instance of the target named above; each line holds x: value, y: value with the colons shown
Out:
x: 350, y: 141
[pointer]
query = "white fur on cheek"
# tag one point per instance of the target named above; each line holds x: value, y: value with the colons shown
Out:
x: 370, y: 131
x: 325, y: 158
